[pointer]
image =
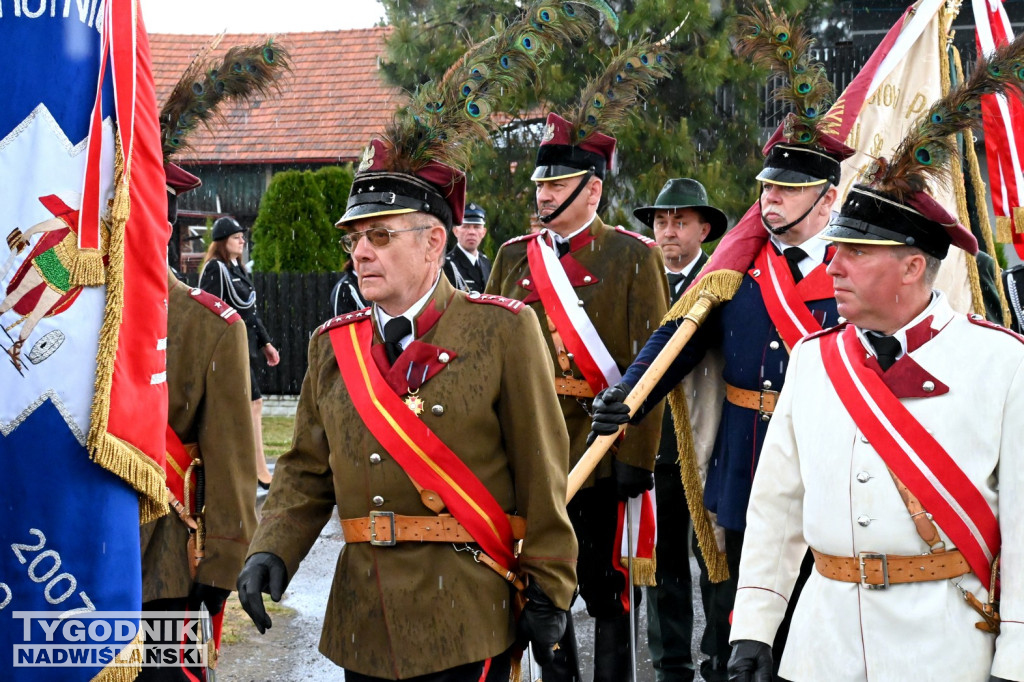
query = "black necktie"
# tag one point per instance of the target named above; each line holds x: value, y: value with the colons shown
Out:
x: 886, y: 348
x: 562, y: 247
x: 395, y: 330
x: 793, y: 256
x: 674, y: 278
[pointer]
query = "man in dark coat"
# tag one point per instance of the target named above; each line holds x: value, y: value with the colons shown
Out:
x: 466, y: 266
x: 682, y: 220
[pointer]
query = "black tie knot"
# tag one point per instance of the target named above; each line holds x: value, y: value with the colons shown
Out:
x: 794, y: 255
x: 674, y: 278
x: 886, y: 348
x: 396, y: 329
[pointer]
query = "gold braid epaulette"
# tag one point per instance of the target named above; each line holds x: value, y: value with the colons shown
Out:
x: 723, y: 284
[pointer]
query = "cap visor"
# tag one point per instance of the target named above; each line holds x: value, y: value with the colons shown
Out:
x: 847, y: 235
x: 549, y: 173
x: 370, y: 211
x: 789, y: 178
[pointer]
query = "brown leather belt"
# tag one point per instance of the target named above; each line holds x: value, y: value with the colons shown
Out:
x: 386, y: 529
x: 762, y: 401
x: 567, y: 384
x: 878, y: 571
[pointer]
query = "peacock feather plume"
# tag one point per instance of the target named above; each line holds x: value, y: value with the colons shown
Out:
x: 773, y: 40
x: 446, y: 117
x: 245, y: 72
x: 607, y: 99
x: 925, y: 153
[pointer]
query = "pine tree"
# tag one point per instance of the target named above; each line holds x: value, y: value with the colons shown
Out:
x: 703, y: 123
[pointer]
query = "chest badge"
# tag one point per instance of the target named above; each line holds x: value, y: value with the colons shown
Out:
x: 414, y: 403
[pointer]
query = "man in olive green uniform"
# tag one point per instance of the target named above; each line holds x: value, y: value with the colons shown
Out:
x: 616, y: 279
x: 208, y: 405
x: 477, y: 440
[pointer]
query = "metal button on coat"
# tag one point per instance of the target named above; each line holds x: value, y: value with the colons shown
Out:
x: 588, y: 279
x: 863, y: 439
x: 864, y: 520
x: 375, y: 458
x: 378, y: 501
x: 863, y: 477
x: 444, y: 358
x: 774, y: 345
x: 437, y: 410
x: 928, y: 386
x: 756, y: 273
x: 526, y: 282
x: 767, y: 384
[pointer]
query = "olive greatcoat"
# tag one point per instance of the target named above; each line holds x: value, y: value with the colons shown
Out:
x: 415, y: 608
x: 208, y: 392
x: 620, y: 277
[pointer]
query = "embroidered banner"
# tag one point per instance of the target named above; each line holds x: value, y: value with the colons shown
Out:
x: 919, y: 460
x: 788, y: 312
x: 571, y: 321
x: 69, y: 535
x: 420, y: 453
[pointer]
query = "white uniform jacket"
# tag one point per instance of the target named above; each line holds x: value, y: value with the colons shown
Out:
x: 819, y: 483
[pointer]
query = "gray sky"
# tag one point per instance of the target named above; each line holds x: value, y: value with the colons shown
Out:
x: 258, y: 16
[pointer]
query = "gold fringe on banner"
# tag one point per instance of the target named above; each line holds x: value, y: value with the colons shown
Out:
x: 128, y: 663
x: 1018, y: 219
x: 1004, y: 229
x: 107, y: 450
x: 723, y: 284
x: 643, y: 570
x: 981, y: 203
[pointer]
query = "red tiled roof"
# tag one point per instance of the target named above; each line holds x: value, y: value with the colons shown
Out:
x: 330, y: 105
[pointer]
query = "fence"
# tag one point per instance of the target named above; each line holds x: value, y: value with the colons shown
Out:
x: 291, y: 305
x: 842, y: 63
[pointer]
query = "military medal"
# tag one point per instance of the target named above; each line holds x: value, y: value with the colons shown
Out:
x: 414, y: 403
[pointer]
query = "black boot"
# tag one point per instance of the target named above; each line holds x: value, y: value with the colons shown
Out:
x: 611, y: 649
x: 565, y: 667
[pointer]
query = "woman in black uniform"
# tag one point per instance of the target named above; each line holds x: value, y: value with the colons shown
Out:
x: 225, y: 276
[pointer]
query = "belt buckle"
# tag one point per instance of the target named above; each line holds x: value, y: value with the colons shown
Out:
x: 390, y: 516
x: 763, y: 413
x: 862, y: 557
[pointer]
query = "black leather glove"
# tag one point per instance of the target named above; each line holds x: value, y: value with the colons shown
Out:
x: 751, y: 661
x: 541, y: 623
x: 609, y: 411
x: 263, y: 572
x: 631, y: 481
x: 213, y: 597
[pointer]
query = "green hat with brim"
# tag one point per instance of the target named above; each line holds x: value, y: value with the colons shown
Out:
x: 685, y: 193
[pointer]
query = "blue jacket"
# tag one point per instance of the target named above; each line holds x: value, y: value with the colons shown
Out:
x: 755, y: 359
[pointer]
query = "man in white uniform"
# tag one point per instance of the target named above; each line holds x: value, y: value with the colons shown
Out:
x: 895, y: 455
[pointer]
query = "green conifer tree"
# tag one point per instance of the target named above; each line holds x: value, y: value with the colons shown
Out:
x: 703, y: 123
x: 289, y: 231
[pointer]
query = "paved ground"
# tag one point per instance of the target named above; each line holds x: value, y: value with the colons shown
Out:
x: 288, y: 652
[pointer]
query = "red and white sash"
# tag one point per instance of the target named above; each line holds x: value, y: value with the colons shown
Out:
x: 417, y: 449
x: 573, y: 324
x: 785, y: 306
x: 917, y: 459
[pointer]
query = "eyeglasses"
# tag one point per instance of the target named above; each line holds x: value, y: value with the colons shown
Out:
x: 378, y: 236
